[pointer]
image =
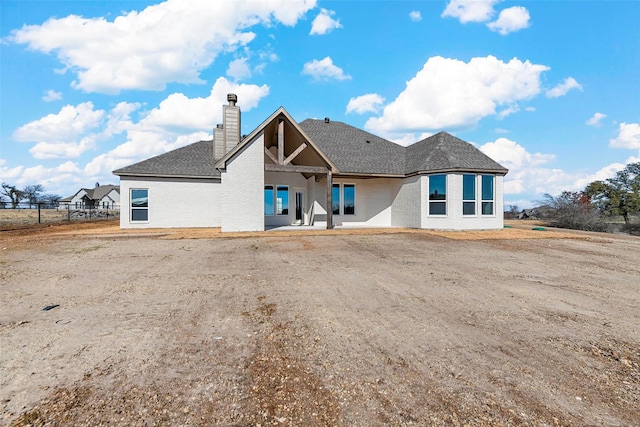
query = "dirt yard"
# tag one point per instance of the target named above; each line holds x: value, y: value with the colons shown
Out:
x: 344, y: 328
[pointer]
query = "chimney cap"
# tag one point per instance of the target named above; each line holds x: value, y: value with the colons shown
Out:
x: 232, y: 98
x: 327, y: 120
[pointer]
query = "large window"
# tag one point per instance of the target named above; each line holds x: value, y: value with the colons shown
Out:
x: 349, y: 193
x: 335, y: 199
x: 487, y: 194
x: 282, y: 200
x: 437, y: 195
x: 343, y: 202
x: 268, y: 200
x: 139, y: 204
x: 468, y: 194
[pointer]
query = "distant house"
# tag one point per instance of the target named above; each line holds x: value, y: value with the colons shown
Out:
x: 99, y: 197
x: 316, y: 172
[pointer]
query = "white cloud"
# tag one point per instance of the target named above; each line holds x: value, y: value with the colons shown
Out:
x: 511, y: 19
x: 239, y: 69
x: 450, y: 93
x: 527, y: 171
x: 470, y: 10
x: 52, y: 95
x: 62, y: 150
x: 564, y: 87
x: 324, y: 70
x: 370, y: 102
x: 415, y: 15
x: 595, y: 120
x: 628, y: 136
x: 511, y: 109
x: 7, y: 173
x: 179, y: 112
x: 167, y: 42
x: 530, y: 109
x: 324, y: 23
x: 70, y: 122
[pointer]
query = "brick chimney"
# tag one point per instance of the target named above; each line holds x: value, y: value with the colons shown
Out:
x: 231, y: 117
x: 227, y: 135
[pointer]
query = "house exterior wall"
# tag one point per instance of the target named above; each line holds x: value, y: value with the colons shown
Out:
x: 406, y: 205
x: 295, y: 182
x: 173, y: 203
x: 454, y: 219
x: 242, y: 202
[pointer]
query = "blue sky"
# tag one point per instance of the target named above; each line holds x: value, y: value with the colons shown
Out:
x: 550, y: 89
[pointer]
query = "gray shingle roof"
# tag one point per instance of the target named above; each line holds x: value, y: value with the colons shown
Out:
x: 443, y: 151
x: 193, y: 160
x: 353, y: 150
x: 356, y: 151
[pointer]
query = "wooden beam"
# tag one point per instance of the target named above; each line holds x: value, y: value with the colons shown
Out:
x: 281, y: 142
x: 329, y: 200
x: 316, y: 170
x: 295, y: 153
x: 270, y: 155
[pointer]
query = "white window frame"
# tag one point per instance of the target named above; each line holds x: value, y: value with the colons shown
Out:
x: 275, y: 206
x: 273, y: 198
x: 493, y: 196
x: 445, y: 201
x: 475, y: 196
x: 139, y: 208
x: 340, y: 186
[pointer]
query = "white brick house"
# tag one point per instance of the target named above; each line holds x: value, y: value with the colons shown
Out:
x: 286, y: 173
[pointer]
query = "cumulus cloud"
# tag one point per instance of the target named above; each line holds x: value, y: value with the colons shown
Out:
x: 371, y: 102
x: 176, y: 121
x: 52, y: 95
x: 415, y: 15
x: 628, y: 136
x: 563, y: 88
x: 595, y: 120
x: 324, y: 70
x: 70, y: 122
x: 448, y: 93
x: 510, y: 20
x: 7, y: 173
x: 167, y: 42
x: 470, y: 10
x: 324, y: 23
x: 528, y: 172
x: 239, y: 69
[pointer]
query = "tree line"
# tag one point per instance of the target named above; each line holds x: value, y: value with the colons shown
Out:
x: 33, y: 194
x: 601, y: 201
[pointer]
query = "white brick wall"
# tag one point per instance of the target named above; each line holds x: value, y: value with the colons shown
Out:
x: 454, y: 220
x: 173, y: 203
x: 407, y: 202
x: 242, y: 203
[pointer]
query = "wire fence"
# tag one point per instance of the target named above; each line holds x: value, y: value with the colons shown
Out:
x: 25, y: 214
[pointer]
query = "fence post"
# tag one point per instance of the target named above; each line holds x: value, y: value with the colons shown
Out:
x: 68, y: 213
x: 39, y: 205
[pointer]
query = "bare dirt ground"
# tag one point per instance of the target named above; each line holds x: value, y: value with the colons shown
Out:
x: 342, y: 328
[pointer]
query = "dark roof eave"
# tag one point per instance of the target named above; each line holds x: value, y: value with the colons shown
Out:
x: 463, y: 170
x: 156, y: 175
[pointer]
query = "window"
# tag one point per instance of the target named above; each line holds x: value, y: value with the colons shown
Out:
x: 345, y: 205
x: 487, y: 194
x: 335, y: 199
x: 139, y: 204
x: 468, y: 194
x: 437, y: 195
x: 282, y: 200
x: 268, y: 200
x: 349, y: 196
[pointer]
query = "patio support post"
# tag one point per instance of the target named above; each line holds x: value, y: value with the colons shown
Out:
x: 329, y: 200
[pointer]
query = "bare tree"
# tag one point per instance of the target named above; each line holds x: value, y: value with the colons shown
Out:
x: 11, y: 191
x: 32, y: 193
